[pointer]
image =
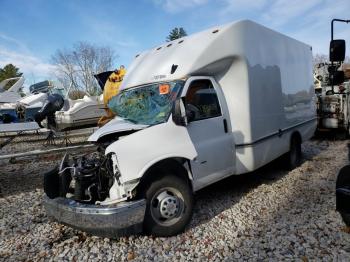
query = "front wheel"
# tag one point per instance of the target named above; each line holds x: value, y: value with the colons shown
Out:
x: 169, y: 206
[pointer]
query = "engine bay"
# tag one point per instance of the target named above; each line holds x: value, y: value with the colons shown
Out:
x: 86, y: 178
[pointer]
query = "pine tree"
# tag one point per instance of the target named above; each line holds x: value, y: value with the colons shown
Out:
x: 176, y: 33
x: 9, y: 71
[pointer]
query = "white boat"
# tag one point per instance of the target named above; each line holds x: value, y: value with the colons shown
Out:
x: 23, y: 110
x: 12, y: 94
x: 81, y: 112
x: 74, y: 114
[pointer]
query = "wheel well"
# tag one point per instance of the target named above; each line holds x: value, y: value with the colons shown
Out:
x: 166, y: 166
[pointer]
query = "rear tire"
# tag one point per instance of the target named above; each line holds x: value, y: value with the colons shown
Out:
x: 346, y: 218
x: 294, y: 155
x: 169, y: 206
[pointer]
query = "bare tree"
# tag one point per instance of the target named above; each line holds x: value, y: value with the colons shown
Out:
x: 76, y: 67
x: 320, y: 58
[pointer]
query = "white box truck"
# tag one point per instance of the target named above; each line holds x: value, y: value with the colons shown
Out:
x: 191, y: 112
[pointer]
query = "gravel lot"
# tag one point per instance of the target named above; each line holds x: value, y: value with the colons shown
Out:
x: 268, y: 215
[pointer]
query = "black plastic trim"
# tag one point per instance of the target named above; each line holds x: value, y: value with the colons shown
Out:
x: 278, y: 133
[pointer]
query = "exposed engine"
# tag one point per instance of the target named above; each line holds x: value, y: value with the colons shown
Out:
x: 85, y: 179
x: 91, y: 178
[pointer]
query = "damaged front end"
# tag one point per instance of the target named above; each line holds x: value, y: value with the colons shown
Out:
x: 88, y: 193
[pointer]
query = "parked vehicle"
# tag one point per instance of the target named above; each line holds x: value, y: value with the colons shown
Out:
x: 191, y: 112
x: 337, y: 56
x: 333, y: 105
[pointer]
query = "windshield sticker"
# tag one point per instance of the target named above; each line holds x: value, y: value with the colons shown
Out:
x: 164, y: 89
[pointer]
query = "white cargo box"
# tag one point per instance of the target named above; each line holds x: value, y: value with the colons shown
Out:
x: 266, y: 77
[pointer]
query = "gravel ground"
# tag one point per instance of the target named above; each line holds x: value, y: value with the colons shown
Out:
x: 270, y: 215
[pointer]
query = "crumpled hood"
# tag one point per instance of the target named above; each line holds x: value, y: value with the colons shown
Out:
x: 114, y: 126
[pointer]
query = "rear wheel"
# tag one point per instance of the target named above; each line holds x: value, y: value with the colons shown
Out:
x: 294, y: 156
x: 346, y: 218
x: 342, y: 203
x: 169, y: 206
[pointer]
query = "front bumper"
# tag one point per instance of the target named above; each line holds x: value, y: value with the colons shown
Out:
x: 108, y: 221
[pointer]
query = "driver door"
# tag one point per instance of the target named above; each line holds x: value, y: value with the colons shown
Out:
x: 209, y: 131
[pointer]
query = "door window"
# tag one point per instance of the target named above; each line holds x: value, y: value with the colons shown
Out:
x: 201, y: 100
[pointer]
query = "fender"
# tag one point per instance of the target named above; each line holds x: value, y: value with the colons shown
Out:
x: 136, y: 152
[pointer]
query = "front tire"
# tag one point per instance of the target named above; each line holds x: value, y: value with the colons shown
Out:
x: 169, y: 206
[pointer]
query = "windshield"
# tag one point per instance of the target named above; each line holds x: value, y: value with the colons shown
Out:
x: 59, y: 91
x: 146, y: 105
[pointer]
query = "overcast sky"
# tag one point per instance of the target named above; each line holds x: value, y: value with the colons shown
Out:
x: 31, y: 31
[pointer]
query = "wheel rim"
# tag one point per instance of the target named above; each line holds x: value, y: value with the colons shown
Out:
x: 167, y: 206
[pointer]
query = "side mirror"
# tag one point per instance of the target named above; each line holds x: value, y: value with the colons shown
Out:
x: 336, y: 78
x: 179, y: 113
x: 337, y: 50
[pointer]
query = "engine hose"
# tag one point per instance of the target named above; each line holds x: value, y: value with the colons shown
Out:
x: 89, y: 193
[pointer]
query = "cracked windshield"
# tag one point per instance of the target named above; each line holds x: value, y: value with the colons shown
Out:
x: 147, y: 105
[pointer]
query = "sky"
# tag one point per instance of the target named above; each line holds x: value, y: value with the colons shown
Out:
x: 32, y: 31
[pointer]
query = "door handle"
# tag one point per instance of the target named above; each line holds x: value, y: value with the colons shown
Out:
x: 225, y: 126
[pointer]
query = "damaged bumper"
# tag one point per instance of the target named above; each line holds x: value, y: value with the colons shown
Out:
x: 107, y: 221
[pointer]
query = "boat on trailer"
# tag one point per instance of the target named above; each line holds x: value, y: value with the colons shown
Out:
x: 73, y: 115
x: 80, y: 113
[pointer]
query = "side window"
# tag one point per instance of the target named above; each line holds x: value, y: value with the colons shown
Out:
x: 201, y: 100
